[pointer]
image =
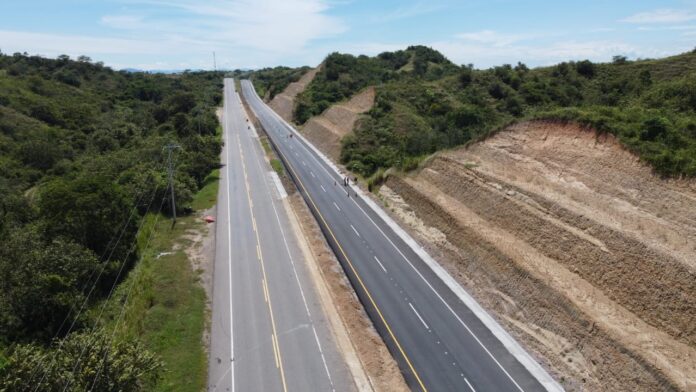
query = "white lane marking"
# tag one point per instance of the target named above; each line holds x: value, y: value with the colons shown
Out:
x: 229, y: 244
x: 336, y: 205
x: 442, y: 300
x: 312, y: 173
x: 315, y: 151
x: 296, y: 154
x: 326, y: 367
x: 469, y: 384
x: 307, y: 149
x: 356, y: 232
x: 297, y: 279
x: 419, y: 316
x: 304, y: 163
x: 380, y: 264
x: 322, y: 187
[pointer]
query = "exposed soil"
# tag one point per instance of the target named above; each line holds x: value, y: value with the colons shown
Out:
x: 327, y: 130
x: 573, y: 245
x: 284, y: 103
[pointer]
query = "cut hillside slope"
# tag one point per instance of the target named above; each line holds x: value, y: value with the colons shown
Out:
x: 327, y: 129
x: 587, y: 257
x: 284, y: 103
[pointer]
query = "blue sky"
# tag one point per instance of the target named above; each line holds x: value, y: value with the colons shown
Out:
x: 180, y: 34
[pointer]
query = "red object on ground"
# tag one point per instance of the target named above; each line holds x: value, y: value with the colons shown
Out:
x: 209, y: 219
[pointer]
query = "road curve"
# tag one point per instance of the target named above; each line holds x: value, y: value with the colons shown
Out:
x: 268, y: 330
x: 439, y: 342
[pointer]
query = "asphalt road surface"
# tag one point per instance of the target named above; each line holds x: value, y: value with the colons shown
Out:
x: 268, y: 329
x: 439, y: 343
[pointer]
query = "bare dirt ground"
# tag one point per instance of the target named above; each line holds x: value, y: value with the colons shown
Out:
x: 573, y: 245
x: 284, y: 103
x: 327, y: 130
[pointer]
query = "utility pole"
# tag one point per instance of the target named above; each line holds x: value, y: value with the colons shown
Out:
x: 214, y: 62
x: 170, y: 169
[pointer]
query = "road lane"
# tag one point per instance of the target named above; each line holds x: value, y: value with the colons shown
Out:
x: 438, y: 341
x: 274, y: 336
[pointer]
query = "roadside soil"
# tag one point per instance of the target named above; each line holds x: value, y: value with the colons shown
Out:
x: 382, y: 370
x: 572, y: 243
x: 284, y: 103
x: 326, y: 130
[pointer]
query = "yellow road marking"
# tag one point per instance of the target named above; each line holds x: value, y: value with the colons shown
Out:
x: 265, y: 290
x: 274, y: 335
x: 275, y: 350
x: 350, y: 263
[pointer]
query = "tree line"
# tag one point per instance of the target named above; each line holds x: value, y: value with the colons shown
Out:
x: 81, y: 162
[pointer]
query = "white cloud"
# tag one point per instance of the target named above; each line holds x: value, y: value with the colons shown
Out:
x: 270, y: 25
x: 661, y: 16
x: 56, y: 44
x: 494, y: 38
x: 488, y: 48
x: 184, y: 33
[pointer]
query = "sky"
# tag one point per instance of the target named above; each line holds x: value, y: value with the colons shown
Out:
x: 244, y: 34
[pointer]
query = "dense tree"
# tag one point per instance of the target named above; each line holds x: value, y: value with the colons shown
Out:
x: 100, y: 364
x: 43, y: 283
x: 90, y: 211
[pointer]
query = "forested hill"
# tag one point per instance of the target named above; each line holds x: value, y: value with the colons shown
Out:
x: 81, y: 161
x: 425, y: 103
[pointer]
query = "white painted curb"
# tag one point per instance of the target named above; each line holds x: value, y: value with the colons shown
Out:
x: 496, y: 329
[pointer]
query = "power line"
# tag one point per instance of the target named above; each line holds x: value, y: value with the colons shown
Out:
x: 125, y: 303
x: 170, y: 170
x: 104, y: 263
x: 84, y: 303
x: 111, y: 291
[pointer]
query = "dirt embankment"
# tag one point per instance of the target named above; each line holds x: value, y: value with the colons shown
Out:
x: 573, y: 244
x: 326, y: 130
x: 284, y: 103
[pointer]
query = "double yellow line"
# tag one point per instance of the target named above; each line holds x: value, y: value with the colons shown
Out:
x: 362, y: 285
x: 259, y: 254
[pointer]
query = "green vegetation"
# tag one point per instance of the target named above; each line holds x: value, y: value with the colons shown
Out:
x: 424, y: 104
x: 81, y: 173
x: 344, y: 75
x: 277, y: 166
x: 271, y: 81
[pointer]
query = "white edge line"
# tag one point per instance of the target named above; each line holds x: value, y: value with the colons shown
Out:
x: 229, y: 239
x: 536, y: 370
x: 278, y: 184
x: 292, y: 264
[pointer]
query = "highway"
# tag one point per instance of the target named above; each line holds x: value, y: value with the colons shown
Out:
x: 268, y: 329
x: 440, y: 343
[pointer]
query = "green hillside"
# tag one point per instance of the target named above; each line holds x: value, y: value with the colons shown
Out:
x: 425, y: 103
x: 81, y: 164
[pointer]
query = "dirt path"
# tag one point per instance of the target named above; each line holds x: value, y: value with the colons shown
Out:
x: 326, y: 130
x: 574, y: 245
x: 284, y: 103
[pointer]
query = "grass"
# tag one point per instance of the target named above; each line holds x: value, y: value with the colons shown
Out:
x: 266, y: 146
x: 277, y: 166
x: 206, y: 197
x: 166, y: 309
